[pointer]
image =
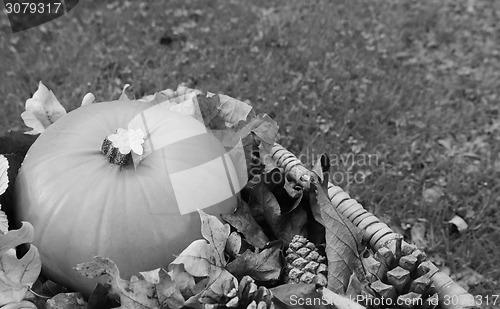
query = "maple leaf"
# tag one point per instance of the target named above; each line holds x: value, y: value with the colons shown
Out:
x: 17, y: 275
x: 136, y: 293
x: 343, y: 239
x: 42, y: 110
x: 206, y: 257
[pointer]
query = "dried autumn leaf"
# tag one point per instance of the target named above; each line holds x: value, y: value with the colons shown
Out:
x: 172, y: 293
x: 210, y: 113
x: 258, y: 135
x: 17, y: 275
x: 233, y: 111
x: 283, y: 225
x: 202, y: 259
x: 245, y: 223
x: 262, y: 265
x: 101, y: 298
x: 67, y: 300
x: 235, y: 245
x: 354, y: 288
x: 42, y: 110
x: 213, y: 230
x: 152, y: 276
x: 136, y: 293
x: 265, y: 128
x: 342, y: 239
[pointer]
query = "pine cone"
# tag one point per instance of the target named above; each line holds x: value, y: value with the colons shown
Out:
x: 304, y: 263
x: 245, y: 295
x: 400, y: 275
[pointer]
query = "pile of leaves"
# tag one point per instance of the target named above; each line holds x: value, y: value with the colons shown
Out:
x: 243, y: 248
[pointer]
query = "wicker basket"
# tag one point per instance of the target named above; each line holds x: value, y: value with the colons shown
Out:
x: 376, y: 232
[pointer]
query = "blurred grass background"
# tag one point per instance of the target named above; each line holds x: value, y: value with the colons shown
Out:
x: 414, y: 85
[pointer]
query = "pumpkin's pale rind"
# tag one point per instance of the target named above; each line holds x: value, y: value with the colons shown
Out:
x: 82, y: 206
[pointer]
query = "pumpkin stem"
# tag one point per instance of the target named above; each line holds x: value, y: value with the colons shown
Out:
x: 118, y: 147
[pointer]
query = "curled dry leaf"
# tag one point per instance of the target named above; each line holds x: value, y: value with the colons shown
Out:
x: 17, y: 275
x: 234, y: 244
x: 245, y: 223
x: 283, y: 225
x: 42, y: 110
x: 134, y: 293
x: 343, y: 240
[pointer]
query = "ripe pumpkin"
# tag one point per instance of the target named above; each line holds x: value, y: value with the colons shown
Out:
x: 81, y: 205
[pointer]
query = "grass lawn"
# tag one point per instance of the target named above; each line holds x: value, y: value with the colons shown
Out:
x: 403, y: 95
